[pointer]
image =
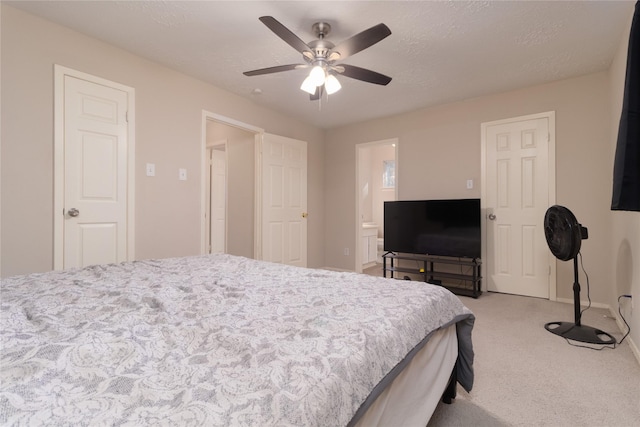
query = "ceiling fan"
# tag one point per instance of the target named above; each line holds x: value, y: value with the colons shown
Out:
x: 322, y: 56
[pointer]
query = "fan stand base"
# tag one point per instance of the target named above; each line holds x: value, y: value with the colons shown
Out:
x: 582, y: 333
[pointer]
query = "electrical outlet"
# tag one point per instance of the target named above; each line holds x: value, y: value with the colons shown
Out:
x: 346, y: 251
x: 469, y: 184
x: 182, y: 174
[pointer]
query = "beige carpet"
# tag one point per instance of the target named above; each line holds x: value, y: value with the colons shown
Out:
x: 527, y: 376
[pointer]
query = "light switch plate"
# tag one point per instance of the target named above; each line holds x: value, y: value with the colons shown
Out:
x: 151, y: 169
x: 182, y: 174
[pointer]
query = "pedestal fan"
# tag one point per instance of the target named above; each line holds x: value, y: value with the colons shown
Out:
x: 564, y: 236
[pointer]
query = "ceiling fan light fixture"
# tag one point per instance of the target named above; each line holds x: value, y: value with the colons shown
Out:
x: 317, y: 75
x: 332, y: 85
x: 308, y: 86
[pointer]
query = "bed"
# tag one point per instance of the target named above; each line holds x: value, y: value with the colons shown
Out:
x: 226, y: 340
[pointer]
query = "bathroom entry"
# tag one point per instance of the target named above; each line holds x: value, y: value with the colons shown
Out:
x: 376, y: 183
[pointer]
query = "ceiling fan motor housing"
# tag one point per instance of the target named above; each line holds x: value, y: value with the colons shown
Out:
x: 320, y: 48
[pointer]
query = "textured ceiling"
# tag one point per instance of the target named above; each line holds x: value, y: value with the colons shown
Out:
x: 438, y: 52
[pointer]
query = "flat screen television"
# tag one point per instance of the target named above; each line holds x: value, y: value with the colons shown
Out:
x: 433, y: 227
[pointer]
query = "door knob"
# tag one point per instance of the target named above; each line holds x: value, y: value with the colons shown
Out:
x: 73, y: 212
x: 304, y: 214
x: 492, y: 217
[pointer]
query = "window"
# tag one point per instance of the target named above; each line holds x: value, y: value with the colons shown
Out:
x: 388, y: 174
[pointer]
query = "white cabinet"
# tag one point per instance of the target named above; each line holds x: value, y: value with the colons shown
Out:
x: 369, y: 245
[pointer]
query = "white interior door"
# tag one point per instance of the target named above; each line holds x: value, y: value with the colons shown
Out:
x: 218, y: 225
x: 94, y: 174
x: 284, y: 200
x: 516, y: 194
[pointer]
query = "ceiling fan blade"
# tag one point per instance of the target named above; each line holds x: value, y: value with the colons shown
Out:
x: 285, y: 34
x: 318, y: 94
x: 362, y: 40
x: 276, y: 69
x: 364, y: 75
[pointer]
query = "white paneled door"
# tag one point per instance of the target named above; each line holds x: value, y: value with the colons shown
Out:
x: 95, y: 173
x: 516, y: 197
x: 284, y: 200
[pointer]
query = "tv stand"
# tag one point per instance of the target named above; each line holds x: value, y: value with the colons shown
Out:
x: 426, y: 267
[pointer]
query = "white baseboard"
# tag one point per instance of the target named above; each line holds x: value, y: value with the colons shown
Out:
x: 585, y: 303
x: 623, y: 329
x: 634, y: 350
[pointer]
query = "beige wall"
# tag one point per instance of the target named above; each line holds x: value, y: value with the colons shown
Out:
x: 439, y: 149
x: 625, y: 226
x: 169, y: 109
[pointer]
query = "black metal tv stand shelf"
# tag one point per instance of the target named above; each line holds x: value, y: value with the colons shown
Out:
x: 430, y: 274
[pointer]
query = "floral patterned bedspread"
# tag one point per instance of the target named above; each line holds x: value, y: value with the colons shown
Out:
x: 206, y: 340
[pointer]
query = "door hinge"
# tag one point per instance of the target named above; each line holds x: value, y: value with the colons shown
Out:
x: 126, y: 116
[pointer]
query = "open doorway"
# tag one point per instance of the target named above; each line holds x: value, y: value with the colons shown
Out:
x: 228, y: 200
x: 216, y: 197
x: 254, y: 192
x: 376, y: 182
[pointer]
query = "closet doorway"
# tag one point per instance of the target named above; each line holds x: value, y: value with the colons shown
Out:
x: 216, y: 197
x: 376, y: 183
x: 254, y: 192
x: 228, y: 201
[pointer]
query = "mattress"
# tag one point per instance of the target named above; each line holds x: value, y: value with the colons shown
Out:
x: 213, y: 340
x: 414, y: 394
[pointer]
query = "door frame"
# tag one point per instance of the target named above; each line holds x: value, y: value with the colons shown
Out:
x: 358, y: 221
x: 551, y: 176
x: 208, y: 169
x: 207, y: 115
x: 60, y: 72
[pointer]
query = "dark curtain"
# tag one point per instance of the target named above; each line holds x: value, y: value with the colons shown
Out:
x: 626, y: 168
